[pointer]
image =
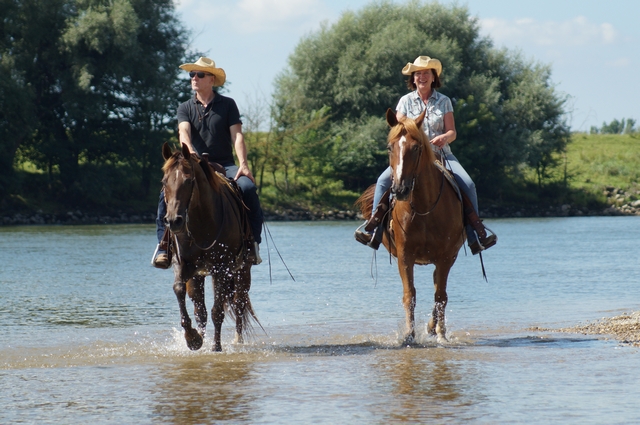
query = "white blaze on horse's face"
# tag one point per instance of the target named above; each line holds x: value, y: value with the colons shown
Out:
x: 402, y: 143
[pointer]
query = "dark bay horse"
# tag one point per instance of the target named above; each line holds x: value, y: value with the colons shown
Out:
x: 426, y: 223
x: 207, y: 224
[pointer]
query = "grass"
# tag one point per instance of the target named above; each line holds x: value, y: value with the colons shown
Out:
x: 590, y: 165
x: 596, y: 161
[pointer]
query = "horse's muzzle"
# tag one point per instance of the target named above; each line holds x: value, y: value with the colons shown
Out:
x: 175, y: 224
x: 401, y: 191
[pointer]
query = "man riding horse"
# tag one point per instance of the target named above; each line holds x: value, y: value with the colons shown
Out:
x: 209, y: 124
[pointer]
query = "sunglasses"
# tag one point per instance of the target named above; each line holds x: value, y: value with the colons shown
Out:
x: 200, y: 74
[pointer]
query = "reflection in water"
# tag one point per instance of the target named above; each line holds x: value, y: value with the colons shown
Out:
x: 204, y: 390
x: 430, y: 384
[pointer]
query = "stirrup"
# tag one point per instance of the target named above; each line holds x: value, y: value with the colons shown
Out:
x: 481, y: 244
x: 160, y: 259
x: 253, y: 254
x: 362, y: 235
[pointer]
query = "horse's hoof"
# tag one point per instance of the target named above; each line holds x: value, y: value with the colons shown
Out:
x: 441, y: 339
x: 409, y: 340
x: 193, y: 338
x: 217, y: 347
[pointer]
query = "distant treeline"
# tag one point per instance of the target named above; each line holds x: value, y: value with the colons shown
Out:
x: 89, y: 90
x: 624, y: 126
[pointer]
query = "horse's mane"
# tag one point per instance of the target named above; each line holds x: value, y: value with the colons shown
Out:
x: 409, y: 126
x: 177, y: 160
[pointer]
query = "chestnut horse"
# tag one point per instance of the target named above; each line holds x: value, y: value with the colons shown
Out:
x: 207, y: 223
x: 426, y: 223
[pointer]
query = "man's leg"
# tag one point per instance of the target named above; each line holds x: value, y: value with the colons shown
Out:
x: 252, y: 201
x: 161, y: 258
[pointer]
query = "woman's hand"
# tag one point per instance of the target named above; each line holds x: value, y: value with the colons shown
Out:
x: 440, y: 141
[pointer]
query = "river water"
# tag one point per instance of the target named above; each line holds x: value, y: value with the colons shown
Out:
x: 90, y: 331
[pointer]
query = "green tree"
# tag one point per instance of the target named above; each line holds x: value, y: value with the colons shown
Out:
x: 507, y: 111
x: 101, y: 82
x: 614, y: 127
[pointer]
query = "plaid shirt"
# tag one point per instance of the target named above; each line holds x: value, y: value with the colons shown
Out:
x: 437, y: 106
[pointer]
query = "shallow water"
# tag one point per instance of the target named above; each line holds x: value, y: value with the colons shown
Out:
x: 91, y: 331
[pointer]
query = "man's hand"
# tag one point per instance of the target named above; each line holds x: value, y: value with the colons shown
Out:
x: 243, y: 170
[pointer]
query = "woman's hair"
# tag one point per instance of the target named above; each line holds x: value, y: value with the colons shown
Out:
x: 436, y: 81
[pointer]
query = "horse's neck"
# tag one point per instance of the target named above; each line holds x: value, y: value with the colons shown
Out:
x: 205, y: 197
x: 429, y: 179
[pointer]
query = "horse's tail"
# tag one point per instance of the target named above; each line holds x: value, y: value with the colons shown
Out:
x: 365, y: 202
x: 248, y: 317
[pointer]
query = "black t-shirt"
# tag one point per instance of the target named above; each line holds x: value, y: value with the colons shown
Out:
x: 210, y: 131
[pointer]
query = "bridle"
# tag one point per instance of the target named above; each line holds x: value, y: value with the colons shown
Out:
x: 186, y: 225
x: 413, y: 184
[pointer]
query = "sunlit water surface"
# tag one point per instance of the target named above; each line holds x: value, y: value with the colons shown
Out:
x: 90, y: 331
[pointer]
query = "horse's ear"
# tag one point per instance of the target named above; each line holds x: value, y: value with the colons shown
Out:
x: 392, y: 120
x: 186, y: 153
x: 166, y: 151
x: 420, y: 119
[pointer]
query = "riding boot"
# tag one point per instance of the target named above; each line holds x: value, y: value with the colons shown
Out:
x: 364, y: 234
x: 484, y: 241
x: 162, y: 256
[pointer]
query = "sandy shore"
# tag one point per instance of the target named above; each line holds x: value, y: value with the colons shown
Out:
x: 625, y: 328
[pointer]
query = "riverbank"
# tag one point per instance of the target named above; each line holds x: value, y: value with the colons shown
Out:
x: 624, y: 328
x: 492, y: 211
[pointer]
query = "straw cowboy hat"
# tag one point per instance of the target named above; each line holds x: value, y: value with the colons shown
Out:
x: 207, y: 65
x: 422, y: 62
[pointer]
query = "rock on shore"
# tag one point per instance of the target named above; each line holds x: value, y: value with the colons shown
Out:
x: 625, y: 328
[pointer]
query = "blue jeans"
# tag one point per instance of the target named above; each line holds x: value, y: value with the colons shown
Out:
x: 249, y: 197
x: 462, y: 178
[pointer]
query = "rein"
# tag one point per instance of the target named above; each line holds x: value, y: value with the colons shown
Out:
x: 186, y: 224
x: 413, y: 185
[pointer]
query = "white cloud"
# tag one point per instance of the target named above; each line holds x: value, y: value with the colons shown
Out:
x: 575, y: 32
x: 251, y: 16
x: 623, y: 62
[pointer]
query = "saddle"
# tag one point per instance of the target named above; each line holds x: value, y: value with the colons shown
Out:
x: 381, y: 218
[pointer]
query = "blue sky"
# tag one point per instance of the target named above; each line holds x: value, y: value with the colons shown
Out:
x: 593, y: 47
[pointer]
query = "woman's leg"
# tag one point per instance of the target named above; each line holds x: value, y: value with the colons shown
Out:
x: 477, y: 236
x: 364, y: 233
x: 463, y: 179
x: 467, y: 185
x: 382, y: 185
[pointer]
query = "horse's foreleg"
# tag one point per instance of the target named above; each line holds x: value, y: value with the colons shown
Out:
x: 409, y: 298
x: 437, y: 322
x: 195, y: 290
x: 193, y: 338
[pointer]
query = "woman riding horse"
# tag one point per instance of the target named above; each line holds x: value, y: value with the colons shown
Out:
x: 439, y: 126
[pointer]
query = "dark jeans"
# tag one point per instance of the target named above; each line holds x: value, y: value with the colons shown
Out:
x: 249, y: 196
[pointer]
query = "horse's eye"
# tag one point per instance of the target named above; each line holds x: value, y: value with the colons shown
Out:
x: 389, y: 148
x: 415, y: 148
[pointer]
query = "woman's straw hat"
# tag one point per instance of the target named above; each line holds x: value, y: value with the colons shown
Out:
x: 422, y: 62
x: 207, y: 65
